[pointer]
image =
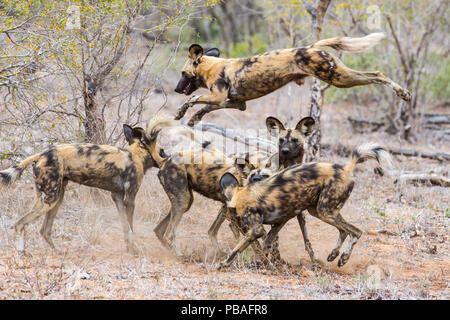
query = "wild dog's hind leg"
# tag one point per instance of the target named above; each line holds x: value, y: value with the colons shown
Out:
x: 345, y: 228
x: 119, y: 200
x: 324, y: 66
x: 175, y: 183
x: 32, y: 215
x: 46, y: 229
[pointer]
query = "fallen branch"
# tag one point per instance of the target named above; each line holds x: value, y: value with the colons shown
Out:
x: 345, y: 151
x: 358, y: 124
x: 433, y: 179
x: 265, y: 144
x: 422, y: 154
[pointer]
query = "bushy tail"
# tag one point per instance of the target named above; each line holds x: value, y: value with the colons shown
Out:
x: 159, y: 122
x: 10, y: 175
x: 351, y: 44
x: 370, y: 150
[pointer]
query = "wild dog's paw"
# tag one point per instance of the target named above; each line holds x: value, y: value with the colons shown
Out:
x: 333, y: 255
x: 222, y: 265
x: 404, y: 94
x: 343, y: 259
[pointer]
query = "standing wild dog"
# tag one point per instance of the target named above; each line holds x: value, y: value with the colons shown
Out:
x: 183, y: 172
x: 106, y: 167
x: 291, y: 142
x: 232, y: 82
x: 321, y: 188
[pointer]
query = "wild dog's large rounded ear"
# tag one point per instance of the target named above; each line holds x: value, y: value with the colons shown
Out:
x: 274, y: 124
x: 128, y: 133
x: 132, y: 134
x: 213, y: 52
x: 195, y: 52
x: 227, y: 183
x: 306, y: 126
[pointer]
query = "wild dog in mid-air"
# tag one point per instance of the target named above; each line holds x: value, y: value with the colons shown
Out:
x: 117, y: 170
x: 320, y: 188
x: 232, y: 82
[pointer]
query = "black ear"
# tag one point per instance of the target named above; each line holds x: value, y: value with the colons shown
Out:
x: 306, y: 126
x: 128, y: 133
x: 274, y: 124
x: 195, y: 52
x: 227, y: 183
x: 213, y: 52
x: 132, y: 134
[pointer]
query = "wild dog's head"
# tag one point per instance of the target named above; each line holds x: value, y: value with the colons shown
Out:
x: 291, y: 142
x: 262, y: 172
x: 137, y: 136
x: 190, y: 78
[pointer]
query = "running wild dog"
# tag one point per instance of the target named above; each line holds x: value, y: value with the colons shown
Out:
x: 232, y: 82
x: 320, y: 188
x: 106, y: 167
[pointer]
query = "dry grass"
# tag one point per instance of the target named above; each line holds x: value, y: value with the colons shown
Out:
x: 413, y: 256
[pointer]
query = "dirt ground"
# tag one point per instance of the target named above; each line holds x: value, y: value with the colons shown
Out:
x: 405, y: 239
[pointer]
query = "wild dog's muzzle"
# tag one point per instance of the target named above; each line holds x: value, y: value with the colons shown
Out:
x: 186, y: 85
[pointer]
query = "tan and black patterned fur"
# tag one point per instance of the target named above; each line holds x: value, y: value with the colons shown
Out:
x: 117, y: 170
x: 232, y: 82
x: 320, y: 188
x: 197, y: 170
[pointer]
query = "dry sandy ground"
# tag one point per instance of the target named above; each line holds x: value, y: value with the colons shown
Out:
x: 411, y: 253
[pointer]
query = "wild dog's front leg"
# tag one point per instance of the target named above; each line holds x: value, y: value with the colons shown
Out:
x: 182, y: 110
x: 226, y: 104
x: 216, y: 96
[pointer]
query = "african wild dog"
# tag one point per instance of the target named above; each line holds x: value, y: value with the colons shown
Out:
x: 106, y: 167
x: 186, y: 171
x: 232, y: 82
x: 291, y: 146
x: 291, y: 142
x: 321, y: 188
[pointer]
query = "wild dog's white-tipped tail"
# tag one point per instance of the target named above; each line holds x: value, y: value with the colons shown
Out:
x: 351, y: 44
x: 10, y: 175
x: 370, y: 150
x: 158, y: 122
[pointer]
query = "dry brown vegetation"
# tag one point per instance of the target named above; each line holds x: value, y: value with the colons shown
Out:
x: 405, y: 231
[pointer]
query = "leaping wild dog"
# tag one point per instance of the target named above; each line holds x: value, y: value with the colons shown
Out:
x: 320, y: 188
x: 106, y: 167
x: 184, y: 172
x: 232, y: 82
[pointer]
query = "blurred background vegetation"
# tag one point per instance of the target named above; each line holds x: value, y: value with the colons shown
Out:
x: 64, y: 84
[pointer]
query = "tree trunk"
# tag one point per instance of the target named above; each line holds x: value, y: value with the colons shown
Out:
x: 94, y: 124
x: 317, y: 15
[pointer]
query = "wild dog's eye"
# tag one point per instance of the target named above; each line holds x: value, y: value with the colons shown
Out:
x: 294, y: 140
x: 281, y: 140
x: 183, y: 73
